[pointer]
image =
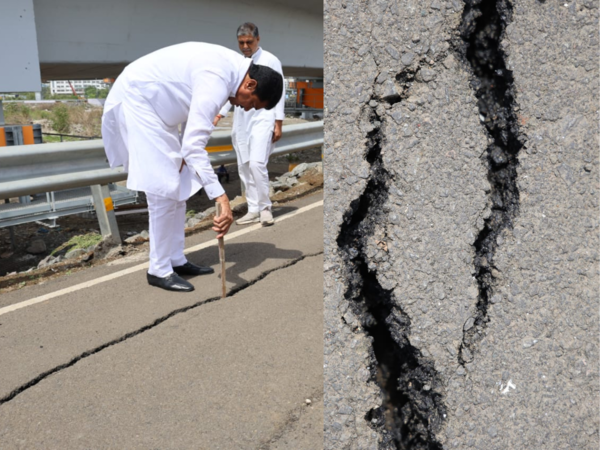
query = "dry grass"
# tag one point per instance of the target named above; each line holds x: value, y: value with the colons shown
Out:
x: 84, y: 120
x: 91, y: 122
x: 17, y: 114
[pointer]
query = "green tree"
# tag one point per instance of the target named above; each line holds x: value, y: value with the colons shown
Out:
x: 60, y: 119
x: 102, y: 93
x: 91, y: 92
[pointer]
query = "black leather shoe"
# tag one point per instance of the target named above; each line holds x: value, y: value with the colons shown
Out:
x: 192, y: 269
x: 171, y: 282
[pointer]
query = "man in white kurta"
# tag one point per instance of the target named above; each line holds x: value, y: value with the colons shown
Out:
x: 254, y: 134
x: 178, y: 87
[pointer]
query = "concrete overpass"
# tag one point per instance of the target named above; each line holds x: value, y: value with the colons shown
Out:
x: 81, y: 39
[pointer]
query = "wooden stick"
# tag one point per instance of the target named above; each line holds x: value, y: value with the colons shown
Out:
x: 221, y: 256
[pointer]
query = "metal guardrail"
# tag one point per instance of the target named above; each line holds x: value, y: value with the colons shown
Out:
x: 73, y: 167
x: 52, y: 205
x: 83, y: 138
x: 31, y: 169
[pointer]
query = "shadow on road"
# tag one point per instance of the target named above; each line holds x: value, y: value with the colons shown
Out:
x: 281, y: 210
x: 244, y: 257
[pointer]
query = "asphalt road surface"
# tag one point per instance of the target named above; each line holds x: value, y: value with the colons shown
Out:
x: 99, y: 359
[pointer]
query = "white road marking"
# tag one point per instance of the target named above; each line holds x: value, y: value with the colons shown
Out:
x: 112, y: 276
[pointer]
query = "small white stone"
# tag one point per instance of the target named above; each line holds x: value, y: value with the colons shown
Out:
x: 308, y: 402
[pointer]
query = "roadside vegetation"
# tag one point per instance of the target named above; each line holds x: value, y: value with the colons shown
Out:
x: 84, y: 242
x: 79, y: 119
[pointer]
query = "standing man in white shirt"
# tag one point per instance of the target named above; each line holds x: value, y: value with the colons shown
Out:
x: 254, y: 134
x: 182, y: 86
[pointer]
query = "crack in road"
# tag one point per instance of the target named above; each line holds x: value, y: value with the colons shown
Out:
x: 292, y: 421
x: 481, y: 31
x: 145, y: 328
x: 412, y: 407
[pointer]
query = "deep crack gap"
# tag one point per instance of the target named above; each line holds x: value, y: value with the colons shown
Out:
x: 157, y: 322
x: 412, y: 409
x: 482, y: 28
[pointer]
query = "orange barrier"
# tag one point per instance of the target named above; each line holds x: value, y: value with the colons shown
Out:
x: 219, y: 148
x: 27, y: 135
x: 312, y: 96
x: 2, y: 137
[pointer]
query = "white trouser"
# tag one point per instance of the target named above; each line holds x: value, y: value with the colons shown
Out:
x: 167, y: 234
x: 255, y: 177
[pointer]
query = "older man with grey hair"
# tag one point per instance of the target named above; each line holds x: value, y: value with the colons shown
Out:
x: 254, y: 134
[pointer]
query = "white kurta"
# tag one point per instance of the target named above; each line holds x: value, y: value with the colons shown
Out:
x: 252, y: 131
x: 152, y: 98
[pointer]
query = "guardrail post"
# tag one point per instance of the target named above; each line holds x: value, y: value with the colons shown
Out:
x: 106, y: 213
x: 13, y: 241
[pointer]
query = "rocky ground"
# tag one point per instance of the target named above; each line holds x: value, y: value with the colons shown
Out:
x: 42, y: 252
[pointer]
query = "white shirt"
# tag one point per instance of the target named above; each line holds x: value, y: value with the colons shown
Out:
x: 252, y: 130
x: 155, y: 95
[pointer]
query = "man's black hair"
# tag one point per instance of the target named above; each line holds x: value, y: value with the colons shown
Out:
x: 269, y: 84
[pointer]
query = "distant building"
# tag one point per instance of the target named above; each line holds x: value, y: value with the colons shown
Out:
x: 63, y: 87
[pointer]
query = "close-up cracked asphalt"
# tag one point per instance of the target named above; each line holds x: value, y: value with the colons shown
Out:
x: 461, y: 231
